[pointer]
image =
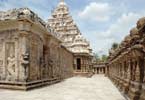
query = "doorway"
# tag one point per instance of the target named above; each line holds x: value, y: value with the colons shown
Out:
x: 78, y: 64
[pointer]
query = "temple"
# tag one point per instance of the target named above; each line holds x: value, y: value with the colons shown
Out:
x: 30, y: 55
x: 66, y: 30
x: 36, y: 53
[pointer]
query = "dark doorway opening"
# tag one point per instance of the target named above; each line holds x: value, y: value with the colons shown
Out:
x: 78, y: 64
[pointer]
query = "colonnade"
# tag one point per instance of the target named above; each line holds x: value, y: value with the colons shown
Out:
x: 126, y: 64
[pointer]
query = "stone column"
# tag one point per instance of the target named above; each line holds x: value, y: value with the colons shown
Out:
x: 123, y: 70
x: 129, y: 70
x: 137, y: 71
x: 24, y: 57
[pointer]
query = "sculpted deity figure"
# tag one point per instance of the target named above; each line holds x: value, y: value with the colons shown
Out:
x: 11, y: 67
x: 25, y: 64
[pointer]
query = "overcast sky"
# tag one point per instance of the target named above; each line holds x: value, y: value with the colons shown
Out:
x: 102, y: 22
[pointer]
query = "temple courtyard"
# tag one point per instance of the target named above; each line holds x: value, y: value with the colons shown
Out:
x: 98, y: 87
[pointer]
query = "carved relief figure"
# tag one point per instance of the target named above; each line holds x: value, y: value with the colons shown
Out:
x: 11, y: 67
x: 25, y: 63
x: 11, y: 61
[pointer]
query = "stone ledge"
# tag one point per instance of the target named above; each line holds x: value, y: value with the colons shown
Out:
x: 27, y: 85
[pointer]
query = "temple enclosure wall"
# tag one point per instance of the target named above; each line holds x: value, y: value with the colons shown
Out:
x: 30, y: 56
x: 126, y: 65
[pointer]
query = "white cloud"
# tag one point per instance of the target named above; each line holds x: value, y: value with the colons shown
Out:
x: 96, y: 12
x: 117, y: 31
x: 122, y: 26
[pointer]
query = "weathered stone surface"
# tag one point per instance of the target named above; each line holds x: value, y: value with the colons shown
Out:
x: 33, y: 53
x: 141, y: 22
x: 99, y: 68
x: 126, y: 64
x: 96, y: 88
x: 67, y: 31
x: 30, y: 55
x: 21, y: 13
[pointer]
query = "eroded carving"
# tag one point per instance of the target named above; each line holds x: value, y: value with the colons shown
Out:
x: 11, y: 61
x: 11, y: 67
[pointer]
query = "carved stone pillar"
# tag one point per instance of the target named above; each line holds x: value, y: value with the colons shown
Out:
x: 3, y: 60
x: 133, y: 71
x: 120, y: 67
x: 24, y: 57
x: 144, y: 77
x: 137, y: 72
x: 129, y: 71
x: 123, y: 70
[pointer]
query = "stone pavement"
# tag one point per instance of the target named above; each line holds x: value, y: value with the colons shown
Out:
x: 77, y: 88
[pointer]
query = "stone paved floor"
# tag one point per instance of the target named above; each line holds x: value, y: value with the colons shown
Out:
x: 77, y: 88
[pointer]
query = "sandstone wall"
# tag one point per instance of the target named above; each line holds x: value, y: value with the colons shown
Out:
x: 126, y: 65
x: 66, y: 58
x: 30, y: 55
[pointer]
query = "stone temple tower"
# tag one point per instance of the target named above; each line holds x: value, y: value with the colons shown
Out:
x: 67, y: 31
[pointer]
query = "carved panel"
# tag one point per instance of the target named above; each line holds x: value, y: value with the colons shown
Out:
x: 36, y: 47
x: 10, y: 60
x: 6, y: 48
x: 1, y: 59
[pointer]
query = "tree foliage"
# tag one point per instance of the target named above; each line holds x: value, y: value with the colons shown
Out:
x: 96, y: 56
x: 102, y: 58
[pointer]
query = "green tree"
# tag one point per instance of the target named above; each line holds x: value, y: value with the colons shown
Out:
x: 104, y: 58
x: 96, y: 56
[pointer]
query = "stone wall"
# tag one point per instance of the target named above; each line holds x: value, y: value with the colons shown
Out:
x: 126, y: 65
x: 66, y: 60
x: 30, y: 56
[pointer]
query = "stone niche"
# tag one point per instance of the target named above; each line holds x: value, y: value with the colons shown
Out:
x: 9, y: 55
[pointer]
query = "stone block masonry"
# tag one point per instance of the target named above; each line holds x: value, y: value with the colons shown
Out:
x: 30, y: 56
x: 126, y: 64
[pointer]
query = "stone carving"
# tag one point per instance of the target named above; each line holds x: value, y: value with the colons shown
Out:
x: 132, y: 49
x: 141, y: 22
x: 11, y: 61
x: 23, y: 57
x: 1, y: 46
x: 68, y: 32
x: 21, y: 13
x: 11, y: 67
x: 25, y: 64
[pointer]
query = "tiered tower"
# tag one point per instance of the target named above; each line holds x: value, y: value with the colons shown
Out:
x: 67, y: 31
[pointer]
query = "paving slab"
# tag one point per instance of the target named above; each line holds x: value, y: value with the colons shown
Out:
x: 98, y: 87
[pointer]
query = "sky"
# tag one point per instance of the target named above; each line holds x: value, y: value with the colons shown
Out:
x: 102, y: 22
